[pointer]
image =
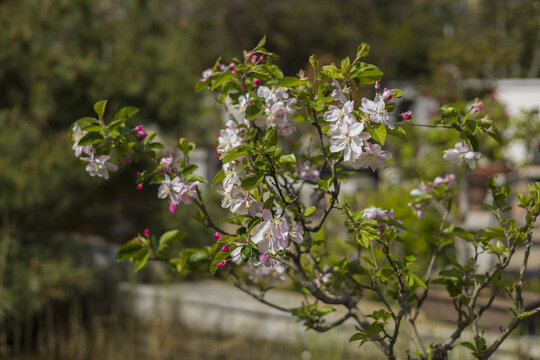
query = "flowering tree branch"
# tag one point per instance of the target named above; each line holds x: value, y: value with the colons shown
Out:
x: 274, y: 234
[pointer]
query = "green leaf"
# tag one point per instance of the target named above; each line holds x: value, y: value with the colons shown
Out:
x: 386, y: 273
x: 332, y: 71
x: 253, y: 111
x: 378, y: 132
x: 274, y: 70
x: 299, y: 117
x: 396, y: 93
x: 366, y: 73
x: 141, y: 259
x: 221, y: 79
x: 270, y: 137
x: 398, y: 132
x: 314, y: 62
x: 469, y: 345
x: 201, y: 85
x: 289, y: 81
x: 99, y: 107
x: 124, y: 112
x: 219, y: 177
x: 417, y: 280
x: 472, y: 125
x: 462, y: 233
x: 189, y: 169
x: 261, y: 43
x: 363, y: 241
x: 129, y: 250
x: 362, y: 50
x: 170, y: 237
x: 325, y: 309
x: 310, y: 210
x: 345, y: 63
x: 234, y: 154
x: 83, y: 122
x: 193, y: 177
x: 495, y: 135
x: 251, y: 182
x: 90, y: 139
x: 220, y: 256
x: 92, y: 128
x: 358, y: 336
x: 287, y: 158
x: 369, y: 234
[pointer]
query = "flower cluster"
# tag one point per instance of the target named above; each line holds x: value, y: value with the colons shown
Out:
x: 177, y: 192
x: 97, y: 165
x: 437, y: 189
x: 266, y: 268
x: 273, y: 234
x: 347, y: 135
x: 462, y: 153
x: 278, y: 110
x: 377, y: 213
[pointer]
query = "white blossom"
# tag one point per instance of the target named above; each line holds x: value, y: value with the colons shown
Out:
x: 234, y: 173
x: 340, y: 117
x: 462, y: 153
x: 376, y: 111
x: 206, y: 74
x: 373, y: 157
x: 377, y: 213
x: 272, y: 235
x: 170, y: 189
x: 229, y: 138
x: 77, y: 136
x: 99, y: 165
x: 348, y: 140
x: 272, y: 96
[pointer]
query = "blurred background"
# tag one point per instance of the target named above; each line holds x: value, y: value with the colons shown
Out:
x: 60, y: 228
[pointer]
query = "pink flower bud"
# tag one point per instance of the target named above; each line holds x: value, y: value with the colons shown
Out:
x: 172, y: 208
x: 257, y: 82
x: 221, y: 263
x: 137, y: 174
x: 139, y: 128
x: 146, y: 232
x: 262, y: 57
x: 217, y: 236
x: 139, y: 186
x: 233, y: 71
x: 254, y: 59
x: 248, y: 54
x: 232, y: 65
x: 141, y: 135
x: 479, y: 108
x: 407, y: 115
x: 225, y: 248
x: 387, y: 94
x: 377, y: 85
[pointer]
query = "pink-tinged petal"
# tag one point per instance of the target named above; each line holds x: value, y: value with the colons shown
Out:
x: 348, y: 107
x: 266, y: 215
